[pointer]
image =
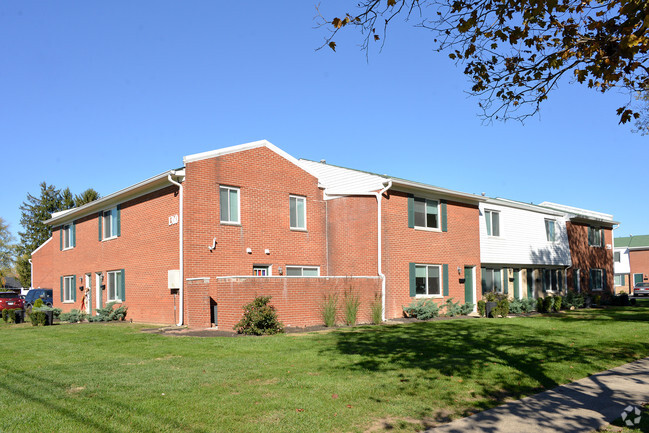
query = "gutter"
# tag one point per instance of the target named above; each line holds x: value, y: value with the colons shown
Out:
x: 181, y: 292
x: 31, y: 274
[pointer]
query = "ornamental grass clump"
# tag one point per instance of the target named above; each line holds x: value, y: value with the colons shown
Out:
x: 329, y: 309
x: 377, y: 310
x: 259, y: 318
x: 351, y: 304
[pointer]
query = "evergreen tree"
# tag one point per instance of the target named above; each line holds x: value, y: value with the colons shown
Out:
x: 86, y: 197
x: 7, y: 251
x: 67, y: 199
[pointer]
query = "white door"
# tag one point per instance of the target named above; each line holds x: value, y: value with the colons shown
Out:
x: 97, y: 290
x: 88, y: 294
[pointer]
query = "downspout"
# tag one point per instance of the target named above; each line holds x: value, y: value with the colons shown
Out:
x: 31, y: 274
x: 379, y: 255
x: 181, y: 291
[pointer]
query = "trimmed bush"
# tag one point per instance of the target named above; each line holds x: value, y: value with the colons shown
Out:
x: 548, y: 303
x: 466, y: 309
x: 9, y: 315
x: 259, y: 317
x: 502, y: 309
x: 377, y: 310
x: 482, y: 307
x: 539, y: 305
x: 452, y: 308
x: 329, y: 309
x: 351, y: 303
x: 108, y: 314
x: 74, y: 316
x: 573, y: 299
x: 422, y: 309
x: 557, y: 303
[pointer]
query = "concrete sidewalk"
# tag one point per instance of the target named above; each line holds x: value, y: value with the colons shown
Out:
x: 581, y: 406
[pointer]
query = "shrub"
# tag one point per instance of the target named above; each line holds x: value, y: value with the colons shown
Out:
x: 329, y: 309
x: 548, y: 303
x: 38, y: 316
x: 516, y: 306
x: 597, y: 299
x: 539, y: 305
x: 351, y: 303
x: 377, y: 310
x: 573, y: 299
x: 259, y: 317
x: 528, y: 305
x: 502, y: 308
x: 73, y: 316
x: 9, y: 315
x: 5, y: 315
x: 422, y: 309
x: 38, y: 303
x: 452, y: 308
x: 482, y: 308
x: 621, y: 300
x: 466, y: 309
x: 557, y: 303
x: 108, y: 314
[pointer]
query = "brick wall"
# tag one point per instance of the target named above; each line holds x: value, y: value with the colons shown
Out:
x: 639, y: 262
x: 458, y: 247
x: 298, y: 301
x: 585, y: 257
x: 146, y: 250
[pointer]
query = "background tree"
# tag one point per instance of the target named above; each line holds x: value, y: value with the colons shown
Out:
x: 515, y: 52
x: 7, y: 251
x: 86, y: 197
x: 34, y: 212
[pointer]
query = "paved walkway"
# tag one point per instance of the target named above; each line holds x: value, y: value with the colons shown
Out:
x: 581, y: 406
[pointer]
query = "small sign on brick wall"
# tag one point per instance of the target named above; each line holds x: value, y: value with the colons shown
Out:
x: 173, y: 219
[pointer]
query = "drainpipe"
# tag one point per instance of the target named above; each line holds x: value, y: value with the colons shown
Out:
x: 379, y: 255
x: 31, y: 274
x: 181, y: 291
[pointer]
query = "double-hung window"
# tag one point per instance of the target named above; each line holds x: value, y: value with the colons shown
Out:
x: 297, y: 207
x: 552, y: 280
x: 426, y: 213
x: 492, y: 280
x: 115, y: 286
x: 619, y: 279
x: 67, y: 236
x: 68, y: 288
x: 229, y: 204
x: 594, y: 236
x: 428, y: 280
x: 616, y: 257
x: 551, y: 230
x: 596, y: 277
x: 302, y: 271
x: 493, y: 222
x: 109, y: 223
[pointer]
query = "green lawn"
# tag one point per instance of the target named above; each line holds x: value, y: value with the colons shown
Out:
x: 114, y: 378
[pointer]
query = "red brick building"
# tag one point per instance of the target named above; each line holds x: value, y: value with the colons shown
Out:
x: 193, y: 245
x: 631, y: 261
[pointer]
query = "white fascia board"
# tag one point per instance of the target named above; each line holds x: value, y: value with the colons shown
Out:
x: 239, y: 148
x: 41, y: 246
x: 409, y: 186
x: 579, y: 212
x: 146, y: 186
x: 524, y: 206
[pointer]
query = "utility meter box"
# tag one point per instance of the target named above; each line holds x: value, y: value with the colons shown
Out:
x: 173, y: 279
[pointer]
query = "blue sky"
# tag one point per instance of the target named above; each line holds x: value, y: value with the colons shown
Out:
x: 106, y: 94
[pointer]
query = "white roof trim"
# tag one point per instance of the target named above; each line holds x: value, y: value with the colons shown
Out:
x: 578, y: 212
x: 128, y: 193
x: 42, y: 245
x: 438, y: 190
x: 526, y: 206
x: 239, y: 148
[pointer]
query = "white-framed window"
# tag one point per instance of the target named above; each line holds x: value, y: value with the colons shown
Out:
x: 594, y: 236
x: 302, y: 271
x: 619, y: 279
x: 115, y: 286
x: 550, y: 230
x: 229, y: 205
x: 552, y: 280
x: 492, y: 218
x: 261, y: 270
x: 426, y: 213
x: 297, y: 207
x: 492, y: 280
x: 596, y: 282
x: 68, y: 236
x: 109, y: 222
x: 428, y: 280
x: 68, y: 288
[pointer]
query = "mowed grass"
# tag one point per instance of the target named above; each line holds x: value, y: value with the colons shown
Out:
x: 114, y: 378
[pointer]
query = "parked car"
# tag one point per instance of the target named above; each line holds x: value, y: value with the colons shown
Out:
x: 34, y: 294
x: 10, y: 301
x: 641, y: 289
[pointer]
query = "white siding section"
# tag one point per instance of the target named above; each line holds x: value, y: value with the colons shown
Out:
x: 623, y: 267
x: 522, y: 239
x: 338, y: 180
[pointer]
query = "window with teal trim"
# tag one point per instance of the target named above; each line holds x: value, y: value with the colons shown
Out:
x: 426, y: 213
x: 428, y: 280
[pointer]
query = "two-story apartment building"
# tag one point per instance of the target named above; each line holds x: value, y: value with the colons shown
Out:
x: 631, y: 258
x: 194, y: 244
x: 523, y: 248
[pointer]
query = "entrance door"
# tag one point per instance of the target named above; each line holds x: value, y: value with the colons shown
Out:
x: 517, y: 288
x: 637, y: 278
x: 88, y: 294
x: 469, y: 285
x: 98, y: 290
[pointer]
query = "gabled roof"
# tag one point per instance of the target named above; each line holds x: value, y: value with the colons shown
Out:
x: 338, y: 180
x: 581, y: 215
x: 632, y: 242
x: 239, y: 148
x: 128, y: 193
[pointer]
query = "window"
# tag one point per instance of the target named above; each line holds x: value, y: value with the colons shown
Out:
x: 596, y: 279
x: 115, y: 286
x: 69, y: 288
x: 426, y: 213
x: 550, y: 230
x: 67, y: 237
x: 261, y: 270
x: 620, y: 280
x: 493, y: 222
x: 302, y: 271
x: 427, y: 280
x: 577, y: 280
x: 594, y: 236
x: 552, y: 280
x: 229, y: 203
x: 297, y: 207
x: 109, y: 224
x: 616, y: 257
x: 492, y: 280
